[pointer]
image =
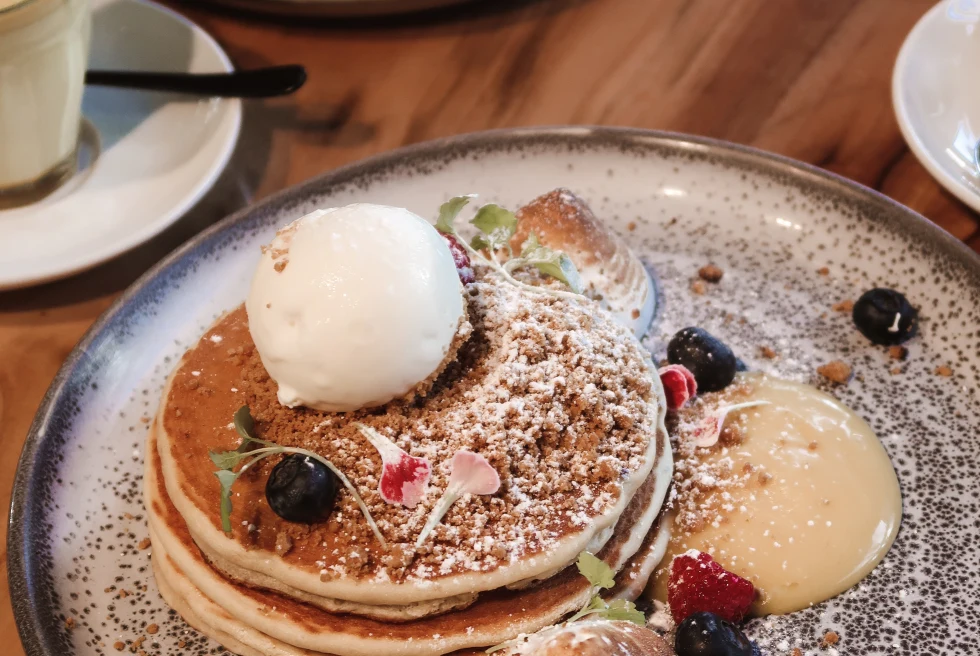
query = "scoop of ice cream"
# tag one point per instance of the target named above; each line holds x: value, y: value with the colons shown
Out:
x: 354, y: 306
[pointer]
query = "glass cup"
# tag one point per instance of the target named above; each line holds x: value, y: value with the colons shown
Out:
x: 43, y: 55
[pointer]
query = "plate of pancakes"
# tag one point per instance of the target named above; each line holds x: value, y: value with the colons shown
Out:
x: 532, y: 391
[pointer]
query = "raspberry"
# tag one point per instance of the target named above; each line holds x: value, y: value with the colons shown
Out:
x: 698, y: 583
x: 679, y: 385
x: 462, y: 260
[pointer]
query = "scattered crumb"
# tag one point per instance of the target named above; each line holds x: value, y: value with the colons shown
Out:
x: 123, y: 594
x: 144, y: 544
x: 898, y: 352
x: 181, y: 644
x: 118, y: 646
x: 152, y: 629
x: 894, y: 371
x: 764, y: 477
x: 280, y: 265
x: 128, y: 516
x: 843, y: 306
x: 635, y: 313
x: 836, y: 371
x: 823, y: 271
x: 768, y: 353
x: 145, y: 419
x: 70, y: 623
x: 698, y: 287
x: 710, y: 273
x: 797, y: 652
x: 943, y: 370
x: 812, y: 446
x: 830, y: 638
x: 631, y: 226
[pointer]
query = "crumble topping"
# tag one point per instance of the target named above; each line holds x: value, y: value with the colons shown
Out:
x: 556, y: 395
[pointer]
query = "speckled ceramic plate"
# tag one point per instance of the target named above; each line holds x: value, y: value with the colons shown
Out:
x: 771, y: 223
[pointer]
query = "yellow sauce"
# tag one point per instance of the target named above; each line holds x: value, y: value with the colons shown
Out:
x: 825, y: 518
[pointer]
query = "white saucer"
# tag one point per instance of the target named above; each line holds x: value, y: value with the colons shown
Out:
x: 936, y: 94
x: 145, y: 158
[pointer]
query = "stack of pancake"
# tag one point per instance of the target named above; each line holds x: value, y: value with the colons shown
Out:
x: 556, y: 394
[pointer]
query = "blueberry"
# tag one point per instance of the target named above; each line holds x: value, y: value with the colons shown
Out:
x: 301, y: 489
x: 707, y: 357
x: 706, y: 634
x: 885, y: 316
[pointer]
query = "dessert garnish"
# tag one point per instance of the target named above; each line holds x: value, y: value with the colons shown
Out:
x: 301, y: 489
x: 600, y: 577
x: 226, y: 462
x: 706, y: 634
x: 708, y: 430
x: 403, y: 476
x: 698, y: 583
x: 496, y: 226
x: 885, y: 316
x: 460, y: 258
x: 707, y: 357
x: 471, y: 474
x: 837, y: 371
x: 679, y: 385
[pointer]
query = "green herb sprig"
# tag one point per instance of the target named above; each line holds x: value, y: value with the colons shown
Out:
x: 601, y: 577
x: 496, y: 226
x: 226, y: 461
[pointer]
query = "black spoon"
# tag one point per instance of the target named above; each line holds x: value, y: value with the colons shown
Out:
x: 257, y: 83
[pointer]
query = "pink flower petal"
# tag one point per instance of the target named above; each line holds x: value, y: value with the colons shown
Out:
x: 708, y: 430
x: 474, y: 474
x: 403, y: 477
x: 679, y: 385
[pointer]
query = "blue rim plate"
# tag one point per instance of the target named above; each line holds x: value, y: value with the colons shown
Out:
x: 681, y: 202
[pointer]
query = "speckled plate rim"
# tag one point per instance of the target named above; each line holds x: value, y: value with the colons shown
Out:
x: 33, y: 606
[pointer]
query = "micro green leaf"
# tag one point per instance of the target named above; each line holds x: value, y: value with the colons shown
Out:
x: 227, y: 460
x: 245, y: 426
x: 498, y: 224
x: 597, y: 572
x: 479, y: 243
x: 621, y: 609
x: 226, y: 479
x: 551, y: 263
x: 448, y: 212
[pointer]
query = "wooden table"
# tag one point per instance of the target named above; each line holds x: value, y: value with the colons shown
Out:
x: 809, y: 79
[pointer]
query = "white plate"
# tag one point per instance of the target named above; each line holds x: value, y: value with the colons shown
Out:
x: 680, y: 202
x: 148, y: 156
x: 936, y: 94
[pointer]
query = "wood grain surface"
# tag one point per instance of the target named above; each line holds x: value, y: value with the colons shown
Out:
x: 805, y: 78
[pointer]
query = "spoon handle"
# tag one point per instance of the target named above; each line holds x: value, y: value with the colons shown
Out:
x: 257, y: 83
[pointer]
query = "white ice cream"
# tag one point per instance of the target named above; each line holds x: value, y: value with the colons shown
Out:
x: 354, y: 306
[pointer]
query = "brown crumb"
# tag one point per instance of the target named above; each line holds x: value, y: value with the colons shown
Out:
x: 796, y: 652
x: 181, y: 644
x: 280, y: 265
x: 70, y: 623
x: 635, y: 313
x: 141, y: 652
x: 152, y: 629
x: 123, y: 594
x: 284, y: 544
x: 145, y: 419
x: 823, y: 271
x: 698, y: 287
x: 943, y: 370
x: 128, y: 516
x: 894, y: 371
x: 768, y: 353
x: 836, y: 371
x: 192, y: 384
x: 710, y: 273
x: 898, y: 352
x: 144, y: 544
x: 118, y: 646
x: 631, y: 226
x: 830, y: 638
x: 812, y: 446
x: 137, y: 644
x: 764, y: 477
x: 844, y: 306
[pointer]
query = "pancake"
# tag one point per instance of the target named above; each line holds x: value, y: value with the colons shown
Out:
x: 249, y: 617
x: 561, y: 399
